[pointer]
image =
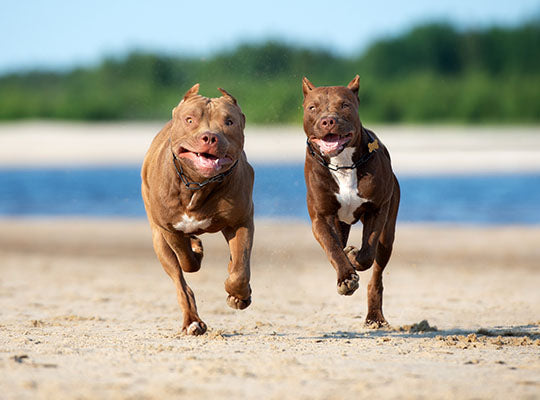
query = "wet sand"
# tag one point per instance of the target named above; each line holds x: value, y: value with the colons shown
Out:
x: 88, y: 312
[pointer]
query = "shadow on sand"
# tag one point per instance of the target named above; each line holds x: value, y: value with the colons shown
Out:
x: 424, y: 330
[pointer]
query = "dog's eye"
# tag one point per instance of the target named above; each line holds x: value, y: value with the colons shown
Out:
x: 345, y: 105
x: 229, y: 122
x: 311, y: 108
x: 189, y: 120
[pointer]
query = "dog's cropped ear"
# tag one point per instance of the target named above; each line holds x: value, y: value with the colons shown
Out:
x: 243, y: 121
x: 354, y: 85
x: 191, y: 92
x: 228, y: 96
x: 307, y: 86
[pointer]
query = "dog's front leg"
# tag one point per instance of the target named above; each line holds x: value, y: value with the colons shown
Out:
x: 373, y: 223
x: 240, y: 240
x: 192, y: 324
x: 325, y: 231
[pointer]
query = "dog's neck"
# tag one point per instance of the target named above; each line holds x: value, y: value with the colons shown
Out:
x: 354, y: 150
x: 345, y: 157
x: 178, y: 175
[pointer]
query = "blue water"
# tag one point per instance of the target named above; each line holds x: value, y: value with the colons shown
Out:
x: 279, y: 193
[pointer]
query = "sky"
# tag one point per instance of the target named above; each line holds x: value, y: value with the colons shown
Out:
x: 61, y: 34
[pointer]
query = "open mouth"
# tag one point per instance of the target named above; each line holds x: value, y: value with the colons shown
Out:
x: 332, y: 144
x: 207, y: 156
x: 205, y: 162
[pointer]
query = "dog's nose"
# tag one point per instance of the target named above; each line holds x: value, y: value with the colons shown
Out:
x: 327, y: 123
x: 209, y: 138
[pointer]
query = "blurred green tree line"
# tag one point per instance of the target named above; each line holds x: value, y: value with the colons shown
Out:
x: 433, y: 73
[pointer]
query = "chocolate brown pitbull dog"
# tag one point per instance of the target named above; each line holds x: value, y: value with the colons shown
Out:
x: 349, y: 178
x: 196, y: 179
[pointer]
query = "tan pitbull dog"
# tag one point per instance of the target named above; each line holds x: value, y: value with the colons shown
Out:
x: 349, y: 178
x: 196, y: 179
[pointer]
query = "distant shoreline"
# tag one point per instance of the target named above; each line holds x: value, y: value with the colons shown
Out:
x: 423, y: 149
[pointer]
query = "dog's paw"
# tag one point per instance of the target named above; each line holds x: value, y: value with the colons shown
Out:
x: 196, y: 328
x: 352, y: 254
x: 377, y: 324
x: 376, y: 321
x: 196, y: 245
x: 238, y: 304
x: 348, y: 286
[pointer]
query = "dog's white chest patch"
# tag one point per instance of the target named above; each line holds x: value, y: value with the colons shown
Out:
x: 190, y: 224
x: 347, y: 196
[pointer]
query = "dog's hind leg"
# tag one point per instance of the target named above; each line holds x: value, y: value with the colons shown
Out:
x: 192, y: 324
x: 384, y: 251
x: 197, y: 248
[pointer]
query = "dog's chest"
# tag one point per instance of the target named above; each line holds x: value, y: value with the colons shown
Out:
x: 348, y: 197
x: 190, y: 224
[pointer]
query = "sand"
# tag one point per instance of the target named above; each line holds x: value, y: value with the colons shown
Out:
x: 88, y: 312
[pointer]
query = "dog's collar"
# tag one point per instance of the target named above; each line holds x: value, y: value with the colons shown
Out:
x: 191, y: 185
x: 373, y: 145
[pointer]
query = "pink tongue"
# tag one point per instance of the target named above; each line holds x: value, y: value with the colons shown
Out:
x: 327, y: 146
x: 204, y: 162
x: 211, y: 163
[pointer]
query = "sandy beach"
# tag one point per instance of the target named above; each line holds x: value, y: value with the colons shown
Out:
x: 86, y: 310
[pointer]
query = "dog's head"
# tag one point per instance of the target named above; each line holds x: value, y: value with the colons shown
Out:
x: 207, y: 134
x: 331, y: 120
